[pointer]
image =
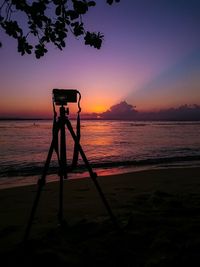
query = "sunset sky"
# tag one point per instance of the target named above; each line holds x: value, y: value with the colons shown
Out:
x: 150, y: 58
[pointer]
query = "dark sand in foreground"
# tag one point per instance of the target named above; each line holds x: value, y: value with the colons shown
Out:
x: 158, y: 210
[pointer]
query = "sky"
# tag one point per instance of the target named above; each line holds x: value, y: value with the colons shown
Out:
x: 150, y: 58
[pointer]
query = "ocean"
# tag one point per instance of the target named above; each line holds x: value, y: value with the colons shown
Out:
x: 111, y: 147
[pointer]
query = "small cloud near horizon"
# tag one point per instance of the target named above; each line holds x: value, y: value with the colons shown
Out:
x: 125, y: 111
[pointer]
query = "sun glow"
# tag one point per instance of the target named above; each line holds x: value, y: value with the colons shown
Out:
x: 98, y: 108
x: 95, y: 106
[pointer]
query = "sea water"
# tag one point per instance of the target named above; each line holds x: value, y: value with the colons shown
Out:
x: 110, y: 146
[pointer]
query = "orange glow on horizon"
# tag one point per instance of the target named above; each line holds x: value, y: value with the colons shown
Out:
x: 96, y: 104
x: 98, y: 109
x: 34, y: 106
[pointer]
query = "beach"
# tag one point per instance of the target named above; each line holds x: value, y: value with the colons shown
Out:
x: 158, y: 212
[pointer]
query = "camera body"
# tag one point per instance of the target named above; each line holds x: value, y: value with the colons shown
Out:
x: 63, y: 96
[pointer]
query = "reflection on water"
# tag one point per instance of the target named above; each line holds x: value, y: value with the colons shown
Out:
x: 26, y: 143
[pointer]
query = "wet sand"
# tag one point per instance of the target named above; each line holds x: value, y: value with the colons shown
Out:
x: 158, y: 212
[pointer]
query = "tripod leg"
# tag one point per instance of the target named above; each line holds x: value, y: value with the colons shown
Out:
x: 30, y: 221
x: 93, y: 175
x: 63, y: 162
x: 41, y: 183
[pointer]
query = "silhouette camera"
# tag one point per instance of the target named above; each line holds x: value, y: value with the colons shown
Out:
x: 63, y: 96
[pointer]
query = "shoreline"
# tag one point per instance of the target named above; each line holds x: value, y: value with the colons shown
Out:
x: 158, y: 209
x: 28, y: 180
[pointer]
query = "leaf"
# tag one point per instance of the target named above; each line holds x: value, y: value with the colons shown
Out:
x: 58, y: 10
x: 72, y: 14
x: 110, y: 2
x: 93, y: 39
x: 40, y: 50
x: 28, y: 51
x: 62, y: 44
x: 37, y: 54
x: 43, y: 39
x: 80, y: 7
x: 24, y: 46
x: 62, y: 35
x: 78, y: 28
x: 91, y: 3
x: 12, y: 28
x: 38, y: 22
x: 52, y: 37
x: 56, y: 2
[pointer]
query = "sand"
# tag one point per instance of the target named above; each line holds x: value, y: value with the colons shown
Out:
x: 158, y: 212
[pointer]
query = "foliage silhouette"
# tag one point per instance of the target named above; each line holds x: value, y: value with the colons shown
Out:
x: 48, y: 21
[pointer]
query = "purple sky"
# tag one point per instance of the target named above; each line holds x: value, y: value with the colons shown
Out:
x: 150, y: 58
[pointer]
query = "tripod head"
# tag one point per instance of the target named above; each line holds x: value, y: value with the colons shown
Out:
x: 61, y: 97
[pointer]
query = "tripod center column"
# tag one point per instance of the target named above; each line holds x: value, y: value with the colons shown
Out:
x: 63, y: 157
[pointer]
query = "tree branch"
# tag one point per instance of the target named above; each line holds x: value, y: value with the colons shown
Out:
x: 47, y: 28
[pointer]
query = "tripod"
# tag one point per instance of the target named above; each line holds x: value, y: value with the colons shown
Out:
x: 59, y: 125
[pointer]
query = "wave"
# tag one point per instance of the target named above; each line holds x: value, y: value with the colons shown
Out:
x: 32, y: 169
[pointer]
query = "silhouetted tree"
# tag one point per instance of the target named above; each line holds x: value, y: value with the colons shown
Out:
x: 49, y: 21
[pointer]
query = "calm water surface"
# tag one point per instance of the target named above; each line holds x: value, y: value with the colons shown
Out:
x: 110, y: 146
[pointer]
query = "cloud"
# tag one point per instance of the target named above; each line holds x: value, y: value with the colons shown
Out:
x: 121, y: 111
x: 182, y: 113
x: 125, y: 111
